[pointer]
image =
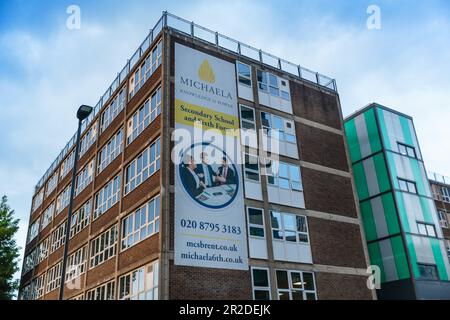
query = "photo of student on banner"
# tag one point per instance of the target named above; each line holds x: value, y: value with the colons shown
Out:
x: 213, y: 184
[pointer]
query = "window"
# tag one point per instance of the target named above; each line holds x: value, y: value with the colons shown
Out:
x: 442, y: 219
x: 51, y: 184
x: 406, y: 150
x: 33, y: 230
x: 255, y: 222
x: 428, y: 271
x: 145, y: 165
x: 278, y: 127
x: 140, y: 284
x: 260, y: 284
x: 251, y: 167
x: 57, y: 237
x: 54, y: 277
x: 244, y: 74
x: 270, y: 83
x: 67, y: 164
x: 38, y: 287
x: 88, y: 139
x: 84, y: 177
x: 110, y: 151
x: 47, y: 216
x: 283, y: 175
x: 426, y: 229
x: 76, y: 264
x: 104, y: 292
x: 145, y: 115
x: 42, y: 251
x: 445, y: 194
x: 30, y: 260
x: 407, y: 185
x: 38, y: 199
x: 289, y: 227
x: 107, y: 197
x: 80, y: 219
x: 146, y: 69
x: 103, y: 247
x: 63, y: 200
x: 141, y: 224
x: 78, y: 297
x: 25, y: 293
x: 247, y: 118
x: 295, y: 285
x: 114, y: 108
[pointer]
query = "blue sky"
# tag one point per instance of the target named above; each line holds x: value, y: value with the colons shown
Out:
x: 47, y: 71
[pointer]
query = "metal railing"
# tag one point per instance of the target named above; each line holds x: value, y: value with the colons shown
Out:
x: 438, y: 177
x: 199, y: 33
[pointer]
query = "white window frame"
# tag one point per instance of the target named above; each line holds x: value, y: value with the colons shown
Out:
x: 38, y: 287
x: 258, y: 288
x: 33, y: 230
x: 67, y: 164
x: 443, y: 219
x: 406, y: 150
x: 47, y: 216
x: 445, y: 194
x: 76, y: 264
x: 107, y: 197
x: 113, y: 110
x: 406, y: 185
x: 282, y: 229
x: 110, y: 151
x: 250, y: 170
x: 84, y: 177
x: 42, y: 250
x: 276, y: 176
x: 105, y: 291
x: 147, y: 285
x: 88, y: 139
x: 57, y: 237
x: 51, y: 184
x: 62, y: 201
x: 426, y: 229
x: 251, y: 225
x: 80, y: 219
x: 144, y: 116
x: 291, y: 289
x: 133, y: 177
x: 281, y: 135
x: 265, y: 85
x: 103, y: 247
x: 29, y: 261
x: 242, y: 75
x: 38, y: 199
x: 53, y: 277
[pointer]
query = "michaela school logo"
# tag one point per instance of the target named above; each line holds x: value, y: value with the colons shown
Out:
x: 206, y: 73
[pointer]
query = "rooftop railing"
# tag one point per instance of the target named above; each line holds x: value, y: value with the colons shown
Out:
x: 198, y: 32
x: 438, y: 177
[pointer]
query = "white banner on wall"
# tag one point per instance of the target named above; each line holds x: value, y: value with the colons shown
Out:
x: 209, y: 205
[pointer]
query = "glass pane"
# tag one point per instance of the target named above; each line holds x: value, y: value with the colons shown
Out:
x: 260, y: 278
x: 289, y: 222
x: 247, y: 114
x: 291, y: 236
x: 431, y: 231
x: 262, y: 295
x: 244, y: 69
x: 308, y: 281
x: 283, y: 183
x: 257, y: 232
x: 275, y: 219
x: 301, y: 224
x: 297, y: 295
x: 283, y: 295
x: 422, y: 229
x: 282, y: 279
x: 265, y: 119
x: 255, y: 216
x: 296, y: 279
x: 310, y: 296
x: 302, y: 237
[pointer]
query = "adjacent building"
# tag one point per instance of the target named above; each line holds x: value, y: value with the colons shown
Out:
x: 156, y: 217
x: 402, y: 226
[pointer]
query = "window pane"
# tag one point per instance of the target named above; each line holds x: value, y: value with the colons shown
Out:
x: 289, y: 222
x: 308, y: 281
x: 257, y: 232
x: 291, y: 236
x: 276, y: 219
x: 296, y: 279
x: 262, y: 295
x: 301, y: 224
x: 247, y: 114
x: 431, y: 231
x: 282, y: 279
x: 260, y: 278
x: 255, y: 216
x: 428, y: 272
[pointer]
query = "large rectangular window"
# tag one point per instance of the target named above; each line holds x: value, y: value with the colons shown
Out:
x: 244, y: 74
x: 284, y: 175
x: 289, y: 227
x: 30, y: 260
x: 145, y: 115
x: 275, y: 86
x: 51, y: 184
x: 33, y: 230
x: 407, y: 185
x: 63, y: 200
x: 47, y: 216
x: 103, y: 247
x: 107, y: 197
x: 251, y: 167
x: 84, y: 177
x: 114, y: 108
x: 445, y: 194
x: 278, y: 128
x: 145, y: 70
x: 406, y: 150
x: 105, y: 291
x: 141, y: 224
x: 54, y: 277
x: 145, y: 165
x: 140, y: 284
x: 42, y: 251
x: 38, y: 199
x: 80, y: 219
x: 110, y: 151
x: 67, y: 164
x: 426, y: 229
x: 442, y: 219
x: 255, y: 222
x: 57, y: 237
x: 88, y: 139
x: 428, y: 271
x: 296, y: 285
x: 76, y: 264
x: 261, y: 284
x: 38, y: 287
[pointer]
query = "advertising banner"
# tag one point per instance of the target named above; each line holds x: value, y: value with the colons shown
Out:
x: 209, y: 205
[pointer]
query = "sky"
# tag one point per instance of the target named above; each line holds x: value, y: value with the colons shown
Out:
x: 47, y: 70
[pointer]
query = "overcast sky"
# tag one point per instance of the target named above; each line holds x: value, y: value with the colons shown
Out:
x: 47, y: 70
